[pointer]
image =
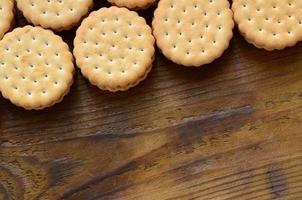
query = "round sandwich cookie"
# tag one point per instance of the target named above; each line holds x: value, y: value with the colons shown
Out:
x: 55, y: 14
x: 269, y: 24
x: 133, y: 4
x: 193, y: 32
x: 36, y: 68
x: 6, y: 16
x: 114, y: 48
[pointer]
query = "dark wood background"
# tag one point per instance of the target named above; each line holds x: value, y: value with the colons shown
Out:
x: 230, y: 130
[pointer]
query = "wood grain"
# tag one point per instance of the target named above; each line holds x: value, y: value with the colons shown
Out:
x: 228, y: 131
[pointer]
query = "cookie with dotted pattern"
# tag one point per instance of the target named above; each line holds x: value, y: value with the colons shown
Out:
x: 36, y: 68
x: 193, y: 32
x: 6, y: 16
x: 55, y: 14
x: 133, y: 4
x: 114, y: 48
x: 269, y: 24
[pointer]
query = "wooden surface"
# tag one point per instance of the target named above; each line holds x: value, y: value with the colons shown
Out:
x: 231, y: 130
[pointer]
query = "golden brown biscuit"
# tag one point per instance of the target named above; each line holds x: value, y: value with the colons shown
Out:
x: 36, y: 68
x: 133, y: 4
x: 269, y: 24
x: 114, y: 48
x: 55, y: 14
x: 193, y: 33
x: 6, y: 16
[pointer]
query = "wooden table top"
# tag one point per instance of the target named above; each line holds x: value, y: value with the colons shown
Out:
x: 230, y: 130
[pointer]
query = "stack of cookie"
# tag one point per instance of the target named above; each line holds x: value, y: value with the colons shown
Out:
x: 114, y: 47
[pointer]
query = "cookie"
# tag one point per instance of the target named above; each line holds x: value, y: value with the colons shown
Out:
x: 114, y: 48
x: 269, y: 24
x: 193, y: 33
x: 6, y: 16
x: 55, y: 14
x: 36, y: 68
x: 133, y: 4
